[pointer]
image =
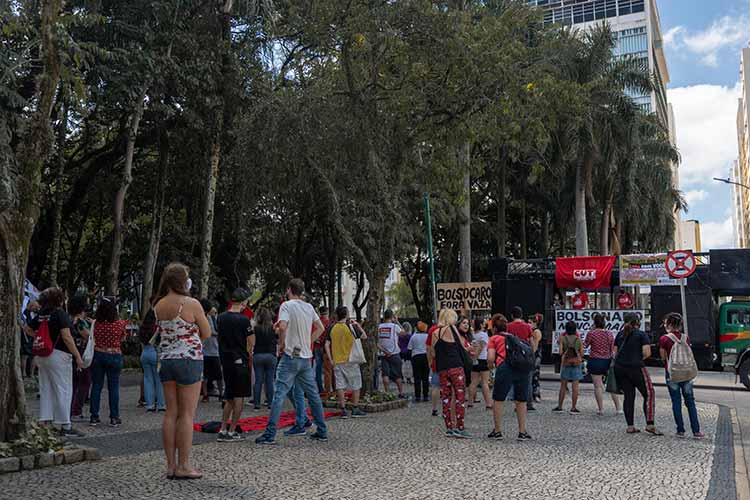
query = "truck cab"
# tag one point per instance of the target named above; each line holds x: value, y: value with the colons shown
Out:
x: 734, y: 338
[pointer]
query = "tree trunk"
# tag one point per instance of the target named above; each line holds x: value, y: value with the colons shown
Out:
x: 215, y: 152
x: 524, y: 241
x: 339, y: 284
x: 544, y: 240
x: 59, y: 187
x: 376, y: 292
x: 604, y: 231
x: 118, y: 206
x: 18, y: 214
x: 464, y: 230
x: 157, y: 223
x: 356, y: 303
x: 582, y: 237
x: 502, y: 236
x: 617, y: 238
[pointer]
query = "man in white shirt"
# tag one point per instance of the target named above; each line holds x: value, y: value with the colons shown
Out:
x: 296, y: 320
x: 390, y: 353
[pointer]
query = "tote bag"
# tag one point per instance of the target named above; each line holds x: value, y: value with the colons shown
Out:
x: 88, y: 353
x: 357, y: 354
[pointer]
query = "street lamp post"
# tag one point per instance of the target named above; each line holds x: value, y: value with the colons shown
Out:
x: 728, y: 181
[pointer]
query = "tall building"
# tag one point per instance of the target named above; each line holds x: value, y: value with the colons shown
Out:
x: 741, y: 170
x: 691, y: 236
x: 637, y: 30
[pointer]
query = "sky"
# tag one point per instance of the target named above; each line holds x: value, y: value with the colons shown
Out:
x: 702, y: 42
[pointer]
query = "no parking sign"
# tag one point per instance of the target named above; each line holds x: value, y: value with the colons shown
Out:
x: 681, y: 264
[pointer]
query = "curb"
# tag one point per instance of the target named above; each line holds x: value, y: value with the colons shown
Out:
x: 662, y: 384
x: 741, y: 478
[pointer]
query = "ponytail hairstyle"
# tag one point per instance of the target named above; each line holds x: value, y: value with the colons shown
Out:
x: 632, y: 322
x: 673, y: 322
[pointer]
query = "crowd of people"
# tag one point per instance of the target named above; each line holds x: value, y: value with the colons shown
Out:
x: 189, y: 351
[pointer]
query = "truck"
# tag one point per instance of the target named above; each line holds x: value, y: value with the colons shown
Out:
x: 717, y: 297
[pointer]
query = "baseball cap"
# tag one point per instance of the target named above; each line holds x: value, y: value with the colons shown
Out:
x: 240, y: 295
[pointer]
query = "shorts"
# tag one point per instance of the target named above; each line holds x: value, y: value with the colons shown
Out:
x: 572, y: 373
x: 391, y: 367
x: 236, y: 379
x: 505, y: 378
x: 182, y: 371
x: 481, y: 366
x: 348, y: 376
x: 211, y: 368
x: 435, y: 380
x: 598, y: 366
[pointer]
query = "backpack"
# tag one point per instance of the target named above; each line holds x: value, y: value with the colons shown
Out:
x: 518, y: 354
x: 42, y: 346
x: 681, y: 365
x: 570, y: 355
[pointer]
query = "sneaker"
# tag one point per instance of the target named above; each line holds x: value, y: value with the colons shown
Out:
x: 265, y: 439
x: 557, y: 409
x: 294, y: 431
x: 434, y: 413
x: 698, y: 435
x: 71, y: 433
x: 530, y: 408
x: 450, y: 433
x: 162, y: 410
x: 151, y: 410
x: 319, y: 436
x: 78, y: 418
x: 357, y: 413
x: 94, y: 421
x: 308, y: 423
x: 495, y: 435
x: 575, y: 411
x: 224, y: 437
x: 344, y: 414
x: 237, y: 436
x: 461, y: 434
x: 679, y: 434
x: 115, y: 422
x: 256, y: 408
x: 523, y: 436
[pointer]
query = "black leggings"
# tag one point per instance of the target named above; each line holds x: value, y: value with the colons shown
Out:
x: 630, y: 379
x: 421, y: 370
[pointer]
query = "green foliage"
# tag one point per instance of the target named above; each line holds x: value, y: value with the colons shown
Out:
x: 35, y: 439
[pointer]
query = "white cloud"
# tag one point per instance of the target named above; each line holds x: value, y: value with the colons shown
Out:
x: 695, y: 195
x: 717, y: 234
x: 725, y: 32
x: 705, y: 122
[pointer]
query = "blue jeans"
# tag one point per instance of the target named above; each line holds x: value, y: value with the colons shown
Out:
x: 299, y: 372
x: 678, y: 391
x: 319, y: 353
x: 264, y: 365
x: 153, y: 391
x: 110, y: 365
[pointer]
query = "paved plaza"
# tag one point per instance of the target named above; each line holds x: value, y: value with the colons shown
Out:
x: 403, y: 454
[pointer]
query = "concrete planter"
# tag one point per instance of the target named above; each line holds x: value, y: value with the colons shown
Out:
x: 48, y: 459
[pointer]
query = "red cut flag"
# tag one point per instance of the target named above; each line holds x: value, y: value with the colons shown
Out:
x: 584, y: 272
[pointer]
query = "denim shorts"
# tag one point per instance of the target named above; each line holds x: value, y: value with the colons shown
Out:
x: 182, y: 371
x: 435, y: 380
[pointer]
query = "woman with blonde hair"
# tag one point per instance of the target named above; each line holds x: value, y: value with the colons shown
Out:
x: 181, y: 356
x: 450, y: 354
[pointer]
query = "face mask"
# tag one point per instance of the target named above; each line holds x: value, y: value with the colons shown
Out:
x: 188, y: 285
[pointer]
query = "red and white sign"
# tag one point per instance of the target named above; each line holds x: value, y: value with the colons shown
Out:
x: 681, y: 264
x: 584, y: 272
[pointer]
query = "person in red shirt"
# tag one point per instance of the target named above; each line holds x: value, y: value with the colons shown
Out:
x: 505, y: 380
x: 322, y: 368
x: 678, y: 390
x: 624, y: 300
x: 580, y: 299
x: 523, y: 331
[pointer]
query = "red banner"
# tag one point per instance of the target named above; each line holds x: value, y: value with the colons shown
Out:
x: 584, y: 272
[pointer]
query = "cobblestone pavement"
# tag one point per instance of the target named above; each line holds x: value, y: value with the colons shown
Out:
x: 403, y: 454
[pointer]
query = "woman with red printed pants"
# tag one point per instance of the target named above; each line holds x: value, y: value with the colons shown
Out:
x: 449, y: 359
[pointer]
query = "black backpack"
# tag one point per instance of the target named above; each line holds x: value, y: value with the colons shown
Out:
x: 518, y: 354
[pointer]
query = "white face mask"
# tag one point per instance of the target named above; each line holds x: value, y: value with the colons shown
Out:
x: 188, y: 285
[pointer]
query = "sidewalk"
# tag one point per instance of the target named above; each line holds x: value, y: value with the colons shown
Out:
x: 706, y: 380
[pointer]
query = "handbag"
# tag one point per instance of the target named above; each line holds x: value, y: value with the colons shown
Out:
x: 465, y: 358
x: 357, y: 354
x: 611, y: 384
x: 88, y: 353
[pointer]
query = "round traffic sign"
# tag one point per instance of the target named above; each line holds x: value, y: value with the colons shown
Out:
x: 681, y: 263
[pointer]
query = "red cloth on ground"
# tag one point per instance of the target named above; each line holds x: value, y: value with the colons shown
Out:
x: 259, y: 423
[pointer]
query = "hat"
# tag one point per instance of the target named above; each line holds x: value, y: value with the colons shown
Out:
x: 422, y: 326
x: 240, y: 295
